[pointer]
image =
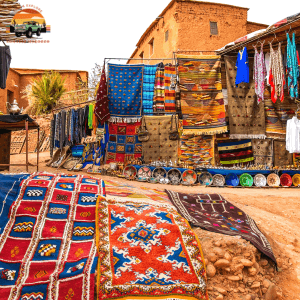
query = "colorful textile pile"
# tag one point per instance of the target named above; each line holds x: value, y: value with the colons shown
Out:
x: 170, y: 84
x: 282, y: 157
x: 214, y: 213
x: 296, y: 158
x: 47, y: 249
x: 202, y: 101
x: 159, y: 146
x: 147, y: 250
x: 232, y: 152
x: 246, y: 116
x: 148, y: 89
x: 101, y: 107
x: 123, y: 142
x: 195, y: 149
x: 263, y: 152
x: 159, y: 89
x: 125, y: 92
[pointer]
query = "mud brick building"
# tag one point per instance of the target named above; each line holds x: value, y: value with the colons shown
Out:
x: 193, y: 25
x: 18, y: 79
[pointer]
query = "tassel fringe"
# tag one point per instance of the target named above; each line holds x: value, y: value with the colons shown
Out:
x: 247, y: 136
x: 207, y: 131
x: 124, y: 120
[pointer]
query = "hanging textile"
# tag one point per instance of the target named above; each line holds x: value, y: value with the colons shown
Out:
x: 102, y: 103
x: 242, y: 65
x: 214, y: 213
x: 276, y: 78
x: 148, y: 89
x: 195, y: 149
x: 293, y: 135
x: 52, y: 134
x: 170, y: 84
x: 263, y: 152
x: 246, y: 116
x: 90, y: 117
x: 62, y: 129
x: 233, y: 152
x: 282, y: 157
x: 202, y: 102
x: 292, y: 66
x: 259, y: 74
x: 159, y: 89
x: 5, y: 60
x: 125, y: 92
x: 123, y: 144
x: 159, y: 146
x: 296, y: 159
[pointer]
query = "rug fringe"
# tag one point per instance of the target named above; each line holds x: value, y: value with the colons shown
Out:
x: 247, y: 136
x: 205, y: 131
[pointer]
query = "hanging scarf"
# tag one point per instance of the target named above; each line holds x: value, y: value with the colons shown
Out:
x: 101, y: 107
x: 276, y: 78
x: 159, y: 89
x: 72, y: 120
x: 76, y: 126
x: 56, y: 131
x: 90, y: 117
x: 259, y: 74
x: 292, y: 67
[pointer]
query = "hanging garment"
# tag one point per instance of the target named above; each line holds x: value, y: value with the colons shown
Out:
x: 159, y: 89
x: 292, y: 67
x: 56, y: 134
x: 101, y: 107
x: 67, y: 127
x: 276, y: 78
x: 52, y: 133
x: 5, y: 60
x: 72, y: 123
x: 242, y: 65
x: 293, y: 135
x: 62, y: 129
x: 178, y: 101
x: 267, y: 65
x: 90, y: 117
x: 170, y: 84
x: 148, y: 89
x: 259, y: 74
x: 76, y: 126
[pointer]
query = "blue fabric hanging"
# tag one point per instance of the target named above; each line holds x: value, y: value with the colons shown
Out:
x: 242, y: 64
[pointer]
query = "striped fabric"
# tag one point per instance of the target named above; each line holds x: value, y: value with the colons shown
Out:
x: 159, y: 89
x: 170, y: 79
x: 148, y: 89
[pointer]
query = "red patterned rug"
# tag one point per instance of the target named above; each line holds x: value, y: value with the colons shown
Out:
x: 146, y: 249
x: 47, y: 249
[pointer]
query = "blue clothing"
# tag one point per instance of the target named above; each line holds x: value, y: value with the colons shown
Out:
x: 148, y: 89
x: 242, y: 64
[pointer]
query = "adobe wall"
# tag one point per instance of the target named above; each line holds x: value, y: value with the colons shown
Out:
x: 162, y: 49
x: 194, y: 25
x: 251, y: 27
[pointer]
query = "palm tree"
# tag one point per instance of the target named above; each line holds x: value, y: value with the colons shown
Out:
x: 47, y: 91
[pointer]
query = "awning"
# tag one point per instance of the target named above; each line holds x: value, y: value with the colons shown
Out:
x: 16, y: 122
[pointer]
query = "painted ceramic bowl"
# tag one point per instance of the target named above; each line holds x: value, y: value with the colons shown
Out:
x: 144, y: 173
x: 159, y: 173
x: 296, y: 180
x: 174, y: 175
x: 218, y: 180
x: 273, y: 180
x: 205, y: 178
x: 286, y: 180
x: 189, y: 177
x: 130, y: 172
x: 246, y: 180
x: 232, y: 179
x: 260, y: 180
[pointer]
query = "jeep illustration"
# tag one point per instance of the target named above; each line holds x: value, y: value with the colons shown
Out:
x: 28, y: 28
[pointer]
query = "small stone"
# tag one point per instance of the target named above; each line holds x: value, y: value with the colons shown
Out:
x: 248, y: 297
x: 264, y: 290
x: 241, y: 290
x: 220, y: 297
x: 252, y: 271
x: 227, y: 269
x: 256, y: 284
x: 271, y: 293
x: 222, y: 263
x: 221, y: 290
x: 218, y: 251
x: 234, y: 278
x: 266, y: 283
x: 212, y: 257
x: 227, y: 256
x: 263, y: 262
x: 217, y: 243
x: 211, y: 270
x: 247, y: 254
x: 206, y: 261
x: 246, y: 262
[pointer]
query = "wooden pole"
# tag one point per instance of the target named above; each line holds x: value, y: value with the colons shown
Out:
x: 38, y: 150
x: 26, y: 128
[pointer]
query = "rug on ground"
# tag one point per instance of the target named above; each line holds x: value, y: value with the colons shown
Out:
x: 47, y: 249
x: 214, y: 213
x: 202, y: 101
x: 146, y: 249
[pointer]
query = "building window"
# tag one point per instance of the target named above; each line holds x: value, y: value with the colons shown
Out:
x: 166, y: 35
x: 214, y: 28
x: 151, y: 45
x: 141, y: 55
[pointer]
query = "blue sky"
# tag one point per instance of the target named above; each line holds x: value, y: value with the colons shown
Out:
x: 85, y: 32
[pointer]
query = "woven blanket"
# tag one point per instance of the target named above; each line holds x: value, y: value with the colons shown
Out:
x: 125, y: 92
x: 263, y: 152
x: 101, y: 107
x: 170, y: 84
x: 123, y: 144
x: 296, y: 158
x: 159, y: 146
x: 202, y: 101
x: 282, y: 157
x: 214, y: 213
x: 246, y: 116
x: 147, y: 250
x: 159, y: 89
x: 195, y: 149
x: 277, y: 114
x: 148, y: 89
x: 232, y: 152
x: 47, y: 249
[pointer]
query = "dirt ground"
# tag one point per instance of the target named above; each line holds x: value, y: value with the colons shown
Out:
x: 275, y: 210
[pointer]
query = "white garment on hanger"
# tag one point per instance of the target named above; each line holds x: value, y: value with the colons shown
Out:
x: 267, y: 63
x: 293, y: 135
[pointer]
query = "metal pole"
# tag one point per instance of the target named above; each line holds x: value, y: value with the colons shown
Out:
x: 38, y: 150
x: 26, y: 128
